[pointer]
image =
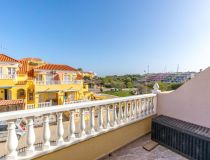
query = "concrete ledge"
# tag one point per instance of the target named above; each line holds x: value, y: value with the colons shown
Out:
x: 103, y: 144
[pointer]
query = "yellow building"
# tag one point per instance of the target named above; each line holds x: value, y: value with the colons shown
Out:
x: 39, y: 84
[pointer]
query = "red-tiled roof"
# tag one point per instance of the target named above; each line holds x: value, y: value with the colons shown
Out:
x: 5, y: 58
x: 79, y: 77
x: 24, y: 67
x: 11, y: 102
x: 56, y: 67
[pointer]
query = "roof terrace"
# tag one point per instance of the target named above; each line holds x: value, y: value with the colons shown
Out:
x: 93, y: 130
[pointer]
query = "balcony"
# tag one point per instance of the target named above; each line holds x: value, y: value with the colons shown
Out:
x: 97, y: 129
x: 57, y: 82
x: 95, y: 118
x: 8, y: 76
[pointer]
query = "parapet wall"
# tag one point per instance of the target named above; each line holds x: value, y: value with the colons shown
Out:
x: 190, y: 102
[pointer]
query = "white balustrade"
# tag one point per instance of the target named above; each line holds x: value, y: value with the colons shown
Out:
x: 82, y: 123
x: 57, y: 82
x: 44, y: 104
x: 72, y: 126
x: 46, y: 133
x: 12, y: 141
x: 107, y: 117
x: 100, y: 118
x: 137, y: 108
x: 60, y: 129
x: 117, y: 113
x: 120, y: 113
x: 8, y: 76
x: 114, y: 115
x: 126, y: 112
x: 30, y: 139
x: 30, y: 106
x: 92, y: 120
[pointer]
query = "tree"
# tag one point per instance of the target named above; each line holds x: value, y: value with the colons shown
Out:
x: 80, y: 69
x: 129, y: 85
x: 142, y: 89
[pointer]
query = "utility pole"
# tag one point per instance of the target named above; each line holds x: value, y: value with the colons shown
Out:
x: 177, y: 68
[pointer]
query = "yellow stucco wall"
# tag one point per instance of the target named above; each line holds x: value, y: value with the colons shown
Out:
x: 31, y: 87
x: 101, y: 145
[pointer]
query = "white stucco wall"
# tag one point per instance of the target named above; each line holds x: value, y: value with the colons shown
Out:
x: 190, y: 102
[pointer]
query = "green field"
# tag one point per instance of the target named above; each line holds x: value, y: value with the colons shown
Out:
x: 119, y: 93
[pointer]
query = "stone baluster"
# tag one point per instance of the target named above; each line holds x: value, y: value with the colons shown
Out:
x: 72, y: 126
x: 114, y: 115
x: 136, y: 108
x: 82, y: 123
x: 146, y: 107
x: 107, y: 117
x: 126, y: 112
x: 100, y: 118
x: 139, y: 109
x: 46, y: 133
x: 143, y: 107
x: 12, y: 141
x: 92, y: 120
x: 152, y: 105
x: 132, y: 109
x: 60, y: 129
x: 120, y: 114
x: 30, y: 138
x: 129, y: 110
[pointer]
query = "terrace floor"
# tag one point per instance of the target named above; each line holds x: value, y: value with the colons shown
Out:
x: 135, y: 151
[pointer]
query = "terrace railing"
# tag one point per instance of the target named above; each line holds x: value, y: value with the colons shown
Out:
x: 8, y: 76
x: 101, y: 116
x: 54, y: 82
x: 44, y: 104
x: 71, y: 102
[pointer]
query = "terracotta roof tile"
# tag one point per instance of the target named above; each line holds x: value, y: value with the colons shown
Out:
x: 79, y: 77
x: 56, y: 67
x: 11, y: 102
x: 5, y: 58
x: 24, y: 67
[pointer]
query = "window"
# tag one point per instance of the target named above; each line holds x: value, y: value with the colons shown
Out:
x: 1, y: 71
x: 39, y: 77
x: 11, y: 71
x: 49, y: 77
x: 30, y: 96
x: 66, y: 78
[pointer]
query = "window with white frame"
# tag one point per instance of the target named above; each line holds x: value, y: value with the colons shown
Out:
x: 66, y: 78
x: 11, y: 71
x: 1, y: 71
x: 49, y: 77
x: 38, y: 77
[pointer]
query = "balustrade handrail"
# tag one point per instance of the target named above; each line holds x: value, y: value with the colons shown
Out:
x: 51, y: 82
x: 124, y: 111
x: 61, y: 108
x: 8, y: 76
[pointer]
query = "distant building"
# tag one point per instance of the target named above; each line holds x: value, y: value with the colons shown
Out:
x: 32, y: 83
x: 179, y: 77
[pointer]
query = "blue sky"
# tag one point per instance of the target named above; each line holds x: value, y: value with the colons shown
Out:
x: 109, y: 36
